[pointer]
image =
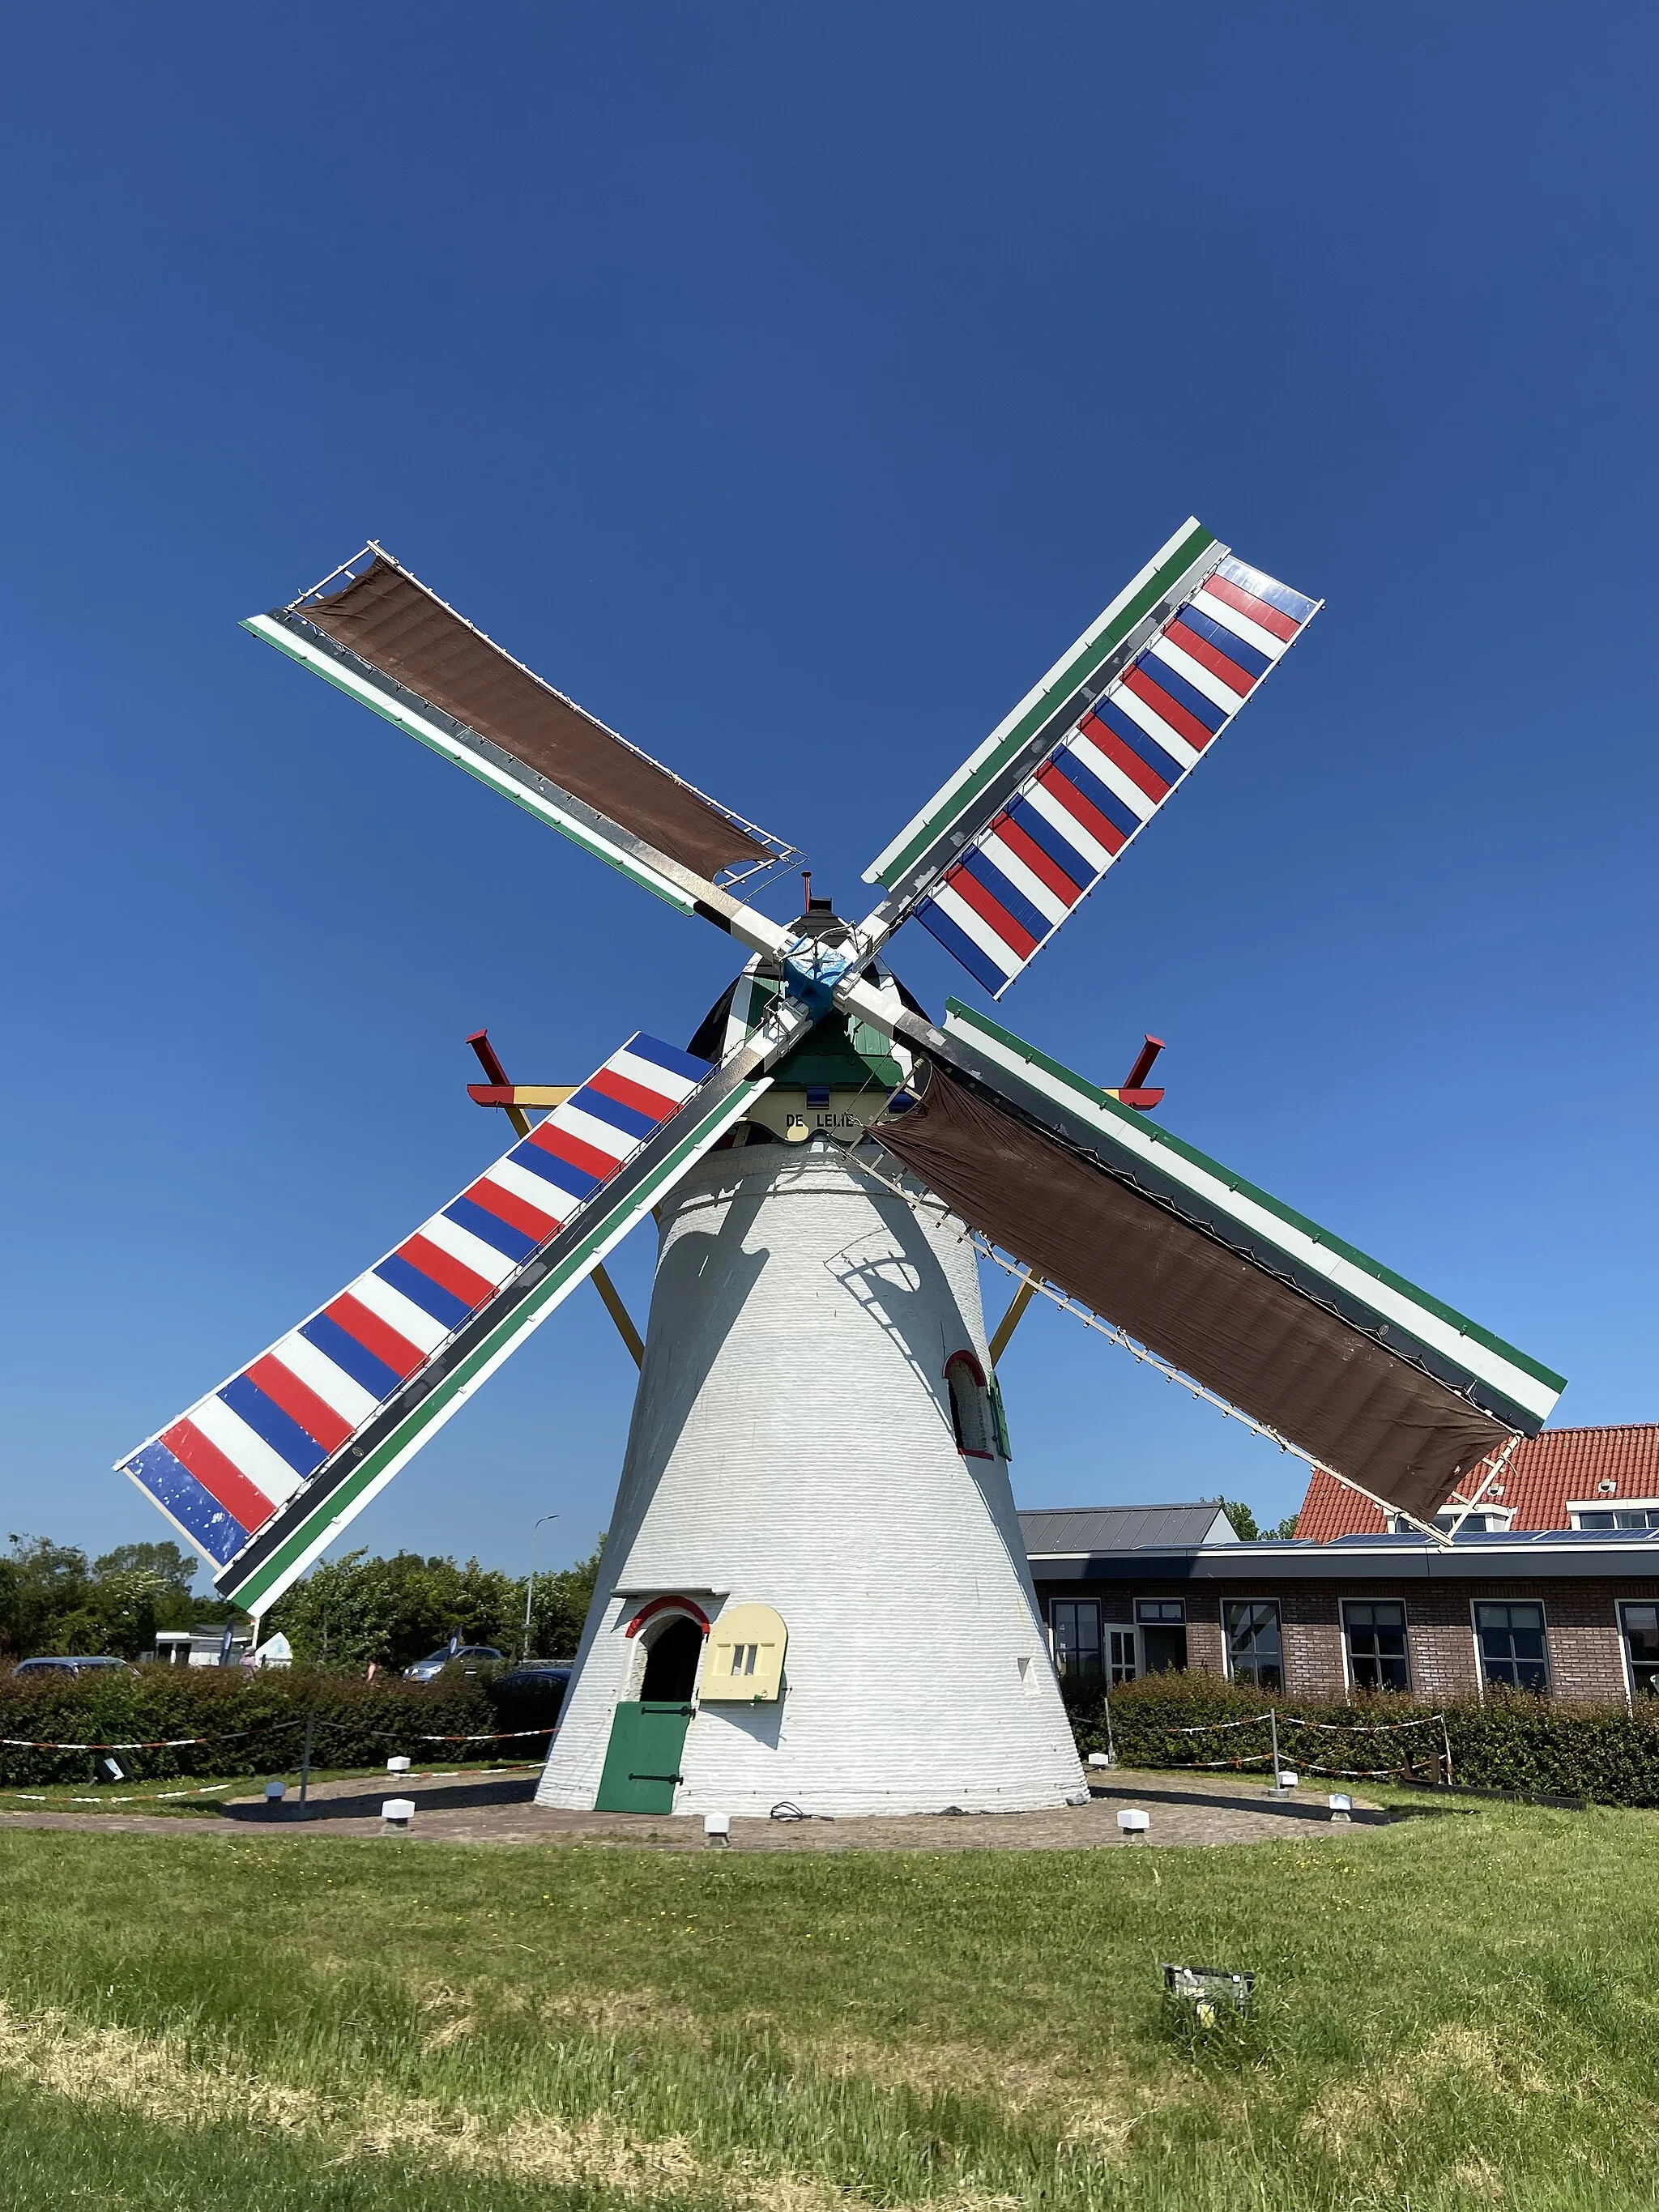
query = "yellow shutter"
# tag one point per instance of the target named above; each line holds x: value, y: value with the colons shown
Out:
x: 743, y: 1658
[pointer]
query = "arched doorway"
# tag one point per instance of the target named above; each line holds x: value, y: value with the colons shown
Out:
x: 648, y: 1732
x: 671, y: 1661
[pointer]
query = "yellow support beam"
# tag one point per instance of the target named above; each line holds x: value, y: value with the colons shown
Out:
x: 513, y: 1097
x: 1017, y: 1305
x: 619, y: 1313
x: 554, y: 1094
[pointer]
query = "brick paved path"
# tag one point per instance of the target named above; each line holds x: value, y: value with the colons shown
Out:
x: 1186, y: 1809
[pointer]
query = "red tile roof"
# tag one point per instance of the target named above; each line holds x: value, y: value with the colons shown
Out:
x: 1548, y: 1472
x: 1329, y: 1511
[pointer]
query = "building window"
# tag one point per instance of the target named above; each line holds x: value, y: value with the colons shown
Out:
x: 1640, y: 1625
x: 1076, y: 1624
x: 971, y: 1418
x: 1254, y: 1650
x: 1376, y: 1636
x: 1163, y: 1624
x: 1121, y: 1655
x: 1512, y: 1647
x: 1614, y: 1517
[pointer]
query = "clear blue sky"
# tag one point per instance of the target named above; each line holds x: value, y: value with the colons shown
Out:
x: 790, y: 386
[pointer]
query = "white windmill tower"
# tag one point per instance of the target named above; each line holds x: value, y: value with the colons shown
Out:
x: 814, y: 1588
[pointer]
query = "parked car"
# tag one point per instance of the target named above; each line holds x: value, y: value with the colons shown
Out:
x: 470, y: 1656
x: 538, y: 1678
x: 65, y: 1664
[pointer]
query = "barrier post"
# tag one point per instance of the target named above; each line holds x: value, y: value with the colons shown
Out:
x: 1445, y: 1738
x: 304, y: 1761
x: 1272, y: 1724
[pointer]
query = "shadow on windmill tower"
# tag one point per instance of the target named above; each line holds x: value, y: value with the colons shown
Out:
x: 814, y: 1557
x: 896, y: 1276
x: 706, y: 1274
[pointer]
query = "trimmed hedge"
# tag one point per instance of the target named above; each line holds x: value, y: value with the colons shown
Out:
x: 1511, y: 1740
x: 255, y: 1722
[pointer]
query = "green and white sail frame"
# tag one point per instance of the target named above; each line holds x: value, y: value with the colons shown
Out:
x: 309, y: 1522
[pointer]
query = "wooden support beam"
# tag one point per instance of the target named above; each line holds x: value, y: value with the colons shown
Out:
x: 619, y: 1313
x: 1011, y: 1320
x: 514, y: 1097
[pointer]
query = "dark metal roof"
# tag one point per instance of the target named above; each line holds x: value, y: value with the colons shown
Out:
x: 1120, y: 1528
x: 1517, y: 1555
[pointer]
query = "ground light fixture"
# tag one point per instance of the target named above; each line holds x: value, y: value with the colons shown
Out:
x: 1210, y: 1992
x: 1134, y: 1824
x: 396, y: 1813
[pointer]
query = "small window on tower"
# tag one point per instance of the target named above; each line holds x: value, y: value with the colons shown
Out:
x: 971, y: 1418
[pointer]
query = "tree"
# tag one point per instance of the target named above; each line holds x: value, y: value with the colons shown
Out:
x: 51, y: 1601
x: 173, y: 1569
x: 1245, y: 1526
x: 343, y: 1615
x: 560, y: 1607
x: 346, y: 1613
x: 1240, y: 1515
x: 355, y: 1609
x: 44, y: 1597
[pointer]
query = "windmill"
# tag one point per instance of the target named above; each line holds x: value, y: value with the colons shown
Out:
x: 814, y: 1588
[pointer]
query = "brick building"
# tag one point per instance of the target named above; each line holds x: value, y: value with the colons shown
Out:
x: 1552, y: 1586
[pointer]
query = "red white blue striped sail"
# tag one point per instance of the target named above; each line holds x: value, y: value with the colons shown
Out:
x: 222, y: 1469
x: 1003, y: 898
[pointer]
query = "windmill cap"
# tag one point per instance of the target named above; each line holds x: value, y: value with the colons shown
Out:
x: 821, y: 919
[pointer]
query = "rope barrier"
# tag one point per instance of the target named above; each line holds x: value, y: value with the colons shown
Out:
x: 501, y: 1735
x: 272, y: 1727
x: 132, y: 1797
x: 160, y: 1743
x: 1278, y: 1720
x: 1362, y: 1727
x: 1219, y: 1728
x: 236, y: 1781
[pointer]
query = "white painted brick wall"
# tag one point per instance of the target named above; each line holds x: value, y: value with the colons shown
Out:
x: 791, y: 1444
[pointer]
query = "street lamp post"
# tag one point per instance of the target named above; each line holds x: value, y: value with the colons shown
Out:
x: 530, y: 1584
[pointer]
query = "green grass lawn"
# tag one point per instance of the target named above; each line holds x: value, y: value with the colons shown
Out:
x: 1459, y: 2010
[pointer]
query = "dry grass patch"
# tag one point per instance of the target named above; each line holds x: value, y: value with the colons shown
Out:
x: 168, y: 2081
x: 159, y: 2078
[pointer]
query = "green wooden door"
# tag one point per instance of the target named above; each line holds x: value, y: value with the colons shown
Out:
x: 642, y: 1764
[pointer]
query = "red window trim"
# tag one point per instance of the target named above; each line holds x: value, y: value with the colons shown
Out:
x: 965, y: 1359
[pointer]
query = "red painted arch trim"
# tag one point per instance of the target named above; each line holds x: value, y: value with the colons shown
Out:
x: 967, y: 1360
x: 648, y: 1612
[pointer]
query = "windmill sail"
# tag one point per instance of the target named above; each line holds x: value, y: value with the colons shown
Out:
x: 1346, y: 1359
x: 998, y: 860
x: 263, y: 1471
x: 386, y: 639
